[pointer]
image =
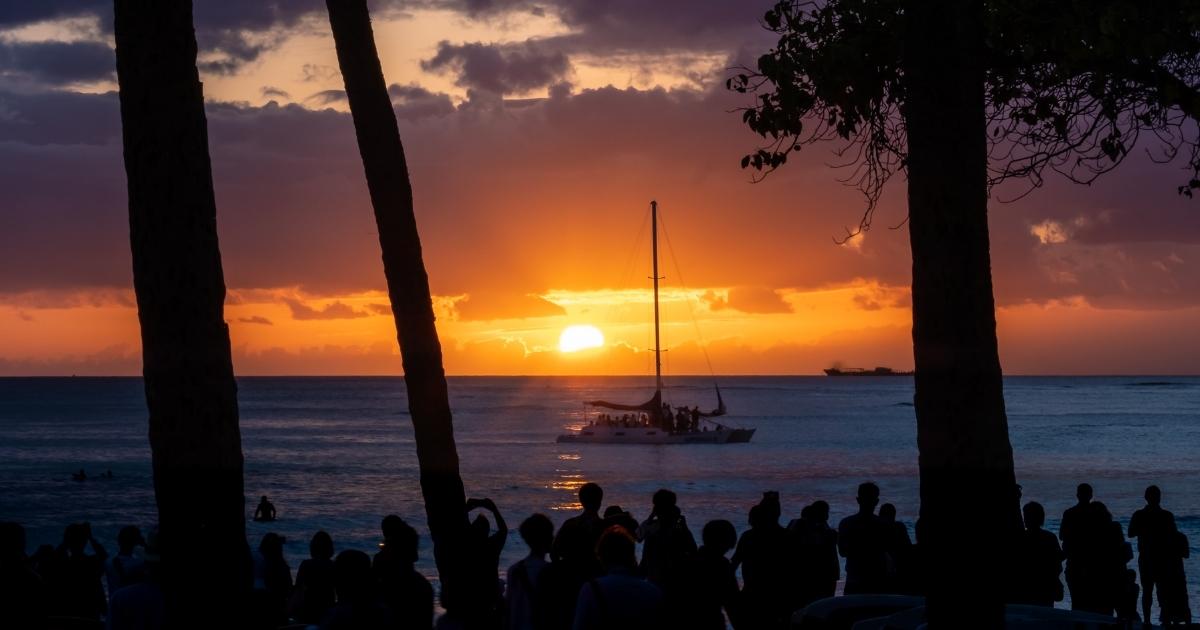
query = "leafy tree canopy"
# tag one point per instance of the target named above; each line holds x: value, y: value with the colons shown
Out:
x: 1071, y: 85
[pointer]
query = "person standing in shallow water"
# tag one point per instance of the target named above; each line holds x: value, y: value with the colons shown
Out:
x: 265, y: 512
x: 861, y: 541
x: 1039, y: 561
x: 1158, y: 558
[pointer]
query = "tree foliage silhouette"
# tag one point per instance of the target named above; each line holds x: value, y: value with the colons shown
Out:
x: 190, y: 390
x: 960, y: 95
x: 382, y: 154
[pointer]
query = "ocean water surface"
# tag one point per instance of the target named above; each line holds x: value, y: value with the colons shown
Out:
x: 338, y: 454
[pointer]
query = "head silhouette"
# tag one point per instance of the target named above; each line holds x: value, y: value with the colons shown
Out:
x: 264, y: 499
x: 75, y: 538
x: 1084, y: 493
x: 1035, y: 515
x: 868, y: 496
x: 663, y: 499
x: 887, y: 513
x: 321, y: 546
x: 400, y: 538
x: 1153, y: 496
x: 271, y: 545
x: 771, y: 509
x: 615, y: 549
x: 820, y: 511
x: 719, y: 535
x: 756, y: 516
x: 591, y: 495
x: 128, y: 538
x: 538, y: 532
x: 352, y: 576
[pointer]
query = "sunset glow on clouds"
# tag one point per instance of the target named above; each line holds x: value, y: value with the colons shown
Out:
x: 536, y: 133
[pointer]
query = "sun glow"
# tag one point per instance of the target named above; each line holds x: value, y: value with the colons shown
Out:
x: 580, y: 337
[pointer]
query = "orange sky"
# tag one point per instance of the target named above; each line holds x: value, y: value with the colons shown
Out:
x: 536, y: 140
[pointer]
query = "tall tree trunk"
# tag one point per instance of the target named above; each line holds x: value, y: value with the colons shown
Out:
x: 968, y: 488
x: 188, y: 371
x: 408, y: 285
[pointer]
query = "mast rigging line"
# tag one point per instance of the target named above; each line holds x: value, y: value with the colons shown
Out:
x: 688, y: 293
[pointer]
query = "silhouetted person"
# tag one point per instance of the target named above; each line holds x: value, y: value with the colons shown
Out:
x: 616, y: 515
x: 265, y: 510
x: 1038, y: 561
x: 358, y: 607
x: 765, y: 553
x: 1173, y: 592
x: 75, y: 583
x: 574, y: 561
x: 1080, y: 536
x: 862, y: 542
x: 619, y: 600
x: 405, y: 592
x: 1118, y: 592
x: 481, y: 555
x: 712, y: 586
x: 522, y: 595
x: 667, y: 542
x: 899, y: 550
x: 125, y: 568
x: 816, y: 554
x: 576, y: 540
x: 272, y: 579
x: 22, y: 592
x: 314, y: 594
x: 1155, y: 531
x: 142, y: 604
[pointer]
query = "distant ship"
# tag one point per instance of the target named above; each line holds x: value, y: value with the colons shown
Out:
x: 653, y: 421
x: 879, y: 371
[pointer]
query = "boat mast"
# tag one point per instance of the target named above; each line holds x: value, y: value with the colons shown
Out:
x: 654, y: 266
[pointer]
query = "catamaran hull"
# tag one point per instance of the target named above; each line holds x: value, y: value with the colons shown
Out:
x: 643, y: 435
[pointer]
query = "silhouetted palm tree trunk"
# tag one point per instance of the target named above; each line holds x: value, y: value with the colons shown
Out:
x: 190, y: 390
x: 968, y: 499
x: 408, y: 285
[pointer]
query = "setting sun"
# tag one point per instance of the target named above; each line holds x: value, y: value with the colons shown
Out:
x: 579, y: 338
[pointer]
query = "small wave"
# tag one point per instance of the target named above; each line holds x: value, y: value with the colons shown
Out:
x: 902, y: 404
x: 1160, y: 384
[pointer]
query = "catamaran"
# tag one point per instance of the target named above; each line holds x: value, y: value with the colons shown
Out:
x: 655, y: 421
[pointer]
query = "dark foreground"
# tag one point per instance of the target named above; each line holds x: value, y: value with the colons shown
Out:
x: 588, y: 574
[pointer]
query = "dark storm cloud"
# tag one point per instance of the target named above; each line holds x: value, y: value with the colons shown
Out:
x: 413, y: 102
x: 499, y: 68
x: 336, y: 310
x: 14, y: 14
x: 55, y: 63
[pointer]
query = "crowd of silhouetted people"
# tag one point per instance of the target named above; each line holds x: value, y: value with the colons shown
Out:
x: 588, y: 574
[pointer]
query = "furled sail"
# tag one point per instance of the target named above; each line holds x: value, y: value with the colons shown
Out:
x: 652, y: 406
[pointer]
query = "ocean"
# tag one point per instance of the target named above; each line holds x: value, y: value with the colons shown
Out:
x: 337, y: 453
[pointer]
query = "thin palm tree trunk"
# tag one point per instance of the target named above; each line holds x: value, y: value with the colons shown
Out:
x: 968, y: 490
x: 408, y: 285
x: 190, y: 390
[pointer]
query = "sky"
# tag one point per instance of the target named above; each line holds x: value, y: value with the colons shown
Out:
x: 537, y: 133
